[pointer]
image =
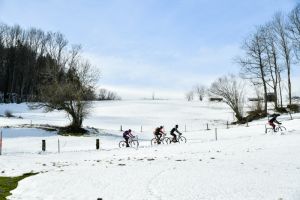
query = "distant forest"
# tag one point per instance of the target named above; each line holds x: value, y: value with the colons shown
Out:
x: 30, y: 59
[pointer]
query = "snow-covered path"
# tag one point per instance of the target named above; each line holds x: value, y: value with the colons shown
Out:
x: 258, y: 167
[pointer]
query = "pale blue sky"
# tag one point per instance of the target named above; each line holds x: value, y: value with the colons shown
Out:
x: 141, y: 46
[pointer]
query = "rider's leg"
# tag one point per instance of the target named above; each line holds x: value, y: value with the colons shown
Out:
x: 126, y: 140
x: 159, y: 135
x: 273, y: 125
x: 174, y: 137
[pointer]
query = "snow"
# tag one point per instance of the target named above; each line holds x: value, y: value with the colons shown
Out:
x: 244, y: 163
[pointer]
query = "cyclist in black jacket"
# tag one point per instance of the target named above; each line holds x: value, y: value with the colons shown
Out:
x: 272, y: 120
x: 158, y: 132
x: 172, y: 132
x: 126, y: 135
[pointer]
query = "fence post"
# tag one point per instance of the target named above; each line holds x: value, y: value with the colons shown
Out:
x: 58, y: 146
x: 121, y: 129
x: 207, y: 127
x: 247, y: 125
x: 141, y: 128
x: 265, y: 128
x: 185, y: 128
x: 97, y: 144
x: 1, y: 143
x: 216, y: 134
x: 43, y: 145
x: 227, y: 125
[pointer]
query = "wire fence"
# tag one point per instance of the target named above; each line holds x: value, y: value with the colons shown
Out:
x: 53, y: 143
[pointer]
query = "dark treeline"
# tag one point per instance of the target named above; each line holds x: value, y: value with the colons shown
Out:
x: 30, y: 59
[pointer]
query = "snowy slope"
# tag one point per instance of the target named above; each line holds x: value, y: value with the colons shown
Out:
x: 244, y: 163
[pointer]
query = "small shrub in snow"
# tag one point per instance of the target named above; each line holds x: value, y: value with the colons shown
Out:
x: 8, y: 113
x: 294, y: 107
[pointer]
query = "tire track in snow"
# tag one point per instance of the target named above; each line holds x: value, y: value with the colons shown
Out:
x: 151, y: 189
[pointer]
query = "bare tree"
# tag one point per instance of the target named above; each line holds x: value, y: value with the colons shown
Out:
x: 258, y: 104
x: 70, y: 94
x: 105, y: 94
x: 294, y: 29
x: 254, y: 63
x: 285, y: 47
x: 274, y: 70
x: 200, y: 91
x: 189, y: 95
x: 232, y: 90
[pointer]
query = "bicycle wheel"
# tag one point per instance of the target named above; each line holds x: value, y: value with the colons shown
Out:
x: 154, y: 142
x: 182, y: 139
x: 166, y: 141
x: 282, y: 128
x: 134, y: 144
x: 122, y: 144
x: 270, y: 130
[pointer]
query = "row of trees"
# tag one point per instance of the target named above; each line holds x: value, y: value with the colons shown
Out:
x: 32, y: 58
x: 199, y: 91
x: 107, y: 95
x: 269, y: 54
x: 43, y: 66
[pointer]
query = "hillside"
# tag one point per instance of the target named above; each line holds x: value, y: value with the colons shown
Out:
x: 244, y: 163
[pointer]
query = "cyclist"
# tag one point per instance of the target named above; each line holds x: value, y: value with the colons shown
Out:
x: 126, y: 135
x: 172, y: 132
x: 158, y: 133
x: 274, y: 119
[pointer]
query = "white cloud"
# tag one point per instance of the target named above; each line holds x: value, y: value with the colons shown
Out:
x: 139, y: 77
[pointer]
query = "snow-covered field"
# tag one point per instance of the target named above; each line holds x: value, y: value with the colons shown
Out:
x: 244, y: 163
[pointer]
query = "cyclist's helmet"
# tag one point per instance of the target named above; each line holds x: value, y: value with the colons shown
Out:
x: 176, y: 126
x: 161, y: 127
x: 129, y: 130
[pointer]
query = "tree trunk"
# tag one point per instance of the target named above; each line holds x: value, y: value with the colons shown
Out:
x: 280, y: 92
x: 262, y: 73
x: 289, y: 85
x: 76, y: 121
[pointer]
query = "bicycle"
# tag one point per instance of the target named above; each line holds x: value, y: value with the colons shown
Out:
x: 278, y: 128
x: 132, y: 142
x: 180, y: 139
x: 163, y: 140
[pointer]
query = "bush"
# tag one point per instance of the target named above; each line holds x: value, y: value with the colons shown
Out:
x: 294, y: 107
x: 8, y: 113
x: 281, y: 110
x: 254, y: 115
x: 105, y: 95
